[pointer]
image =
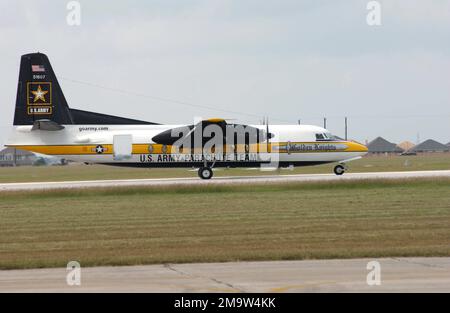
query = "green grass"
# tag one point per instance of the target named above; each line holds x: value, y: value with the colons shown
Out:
x: 125, y: 226
x: 438, y: 161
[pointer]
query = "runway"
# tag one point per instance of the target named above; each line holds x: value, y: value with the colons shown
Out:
x: 396, y: 275
x: 220, y: 180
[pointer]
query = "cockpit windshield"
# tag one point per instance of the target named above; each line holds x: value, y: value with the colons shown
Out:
x: 327, y: 136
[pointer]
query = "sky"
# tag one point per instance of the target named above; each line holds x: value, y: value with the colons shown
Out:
x: 170, y: 61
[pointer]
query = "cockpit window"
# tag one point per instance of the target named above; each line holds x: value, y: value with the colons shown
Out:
x: 326, y: 137
x: 320, y: 137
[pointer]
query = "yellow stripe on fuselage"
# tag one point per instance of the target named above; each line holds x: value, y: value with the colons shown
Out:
x: 161, y: 149
x: 64, y: 149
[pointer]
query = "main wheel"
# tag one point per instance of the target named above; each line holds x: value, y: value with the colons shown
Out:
x: 205, y: 172
x: 339, y: 169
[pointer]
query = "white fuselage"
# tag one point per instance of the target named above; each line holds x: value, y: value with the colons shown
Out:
x: 290, y: 145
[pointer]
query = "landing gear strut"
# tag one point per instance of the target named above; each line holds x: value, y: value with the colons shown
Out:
x: 339, y: 169
x: 205, y: 172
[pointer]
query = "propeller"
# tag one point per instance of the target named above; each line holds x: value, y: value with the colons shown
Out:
x: 268, y: 134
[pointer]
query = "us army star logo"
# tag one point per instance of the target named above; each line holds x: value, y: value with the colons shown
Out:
x: 39, y: 94
x: 99, y: 149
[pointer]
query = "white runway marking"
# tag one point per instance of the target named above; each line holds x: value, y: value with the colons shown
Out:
x: 397, y: 275
x: 219, y: 180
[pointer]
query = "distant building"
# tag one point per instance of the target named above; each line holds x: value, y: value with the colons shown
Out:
x: 13, y: 157
x: 406, y: 145
x: 430, y: 145
x: 381, y: 145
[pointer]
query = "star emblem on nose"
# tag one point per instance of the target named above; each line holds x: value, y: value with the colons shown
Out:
x: 99, y: 149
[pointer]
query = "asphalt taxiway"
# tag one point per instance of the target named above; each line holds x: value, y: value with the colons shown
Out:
x: 395, y: 275
x: 220, y: 180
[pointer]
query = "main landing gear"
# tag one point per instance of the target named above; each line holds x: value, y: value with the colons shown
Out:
x: 205, y: 172
x: 339, y: 169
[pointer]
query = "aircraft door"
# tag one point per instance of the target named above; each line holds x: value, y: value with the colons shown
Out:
x: 122, y: 147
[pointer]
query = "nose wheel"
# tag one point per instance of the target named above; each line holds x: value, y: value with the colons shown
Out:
x: 205, y: 172
x: 339, y: 169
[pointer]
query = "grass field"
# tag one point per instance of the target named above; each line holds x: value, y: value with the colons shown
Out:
x: 225, y: 223
x: 438, y: 161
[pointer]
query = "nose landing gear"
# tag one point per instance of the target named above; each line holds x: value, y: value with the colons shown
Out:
x: 339, y: 169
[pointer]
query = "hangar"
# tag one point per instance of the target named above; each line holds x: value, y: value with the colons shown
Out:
x: 430, y: 145
x: 381, y: 145
x: 15, y: 157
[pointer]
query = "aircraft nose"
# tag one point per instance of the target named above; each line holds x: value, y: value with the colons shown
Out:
x: 363, y: 148
x: 358, y: 147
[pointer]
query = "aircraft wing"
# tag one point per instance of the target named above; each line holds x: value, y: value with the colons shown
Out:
x: 208, y: 129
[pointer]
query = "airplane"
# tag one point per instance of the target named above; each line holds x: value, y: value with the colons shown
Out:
x: 45, y: 124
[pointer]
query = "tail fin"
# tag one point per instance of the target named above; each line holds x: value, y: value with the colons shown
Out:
x: 39, y: 96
